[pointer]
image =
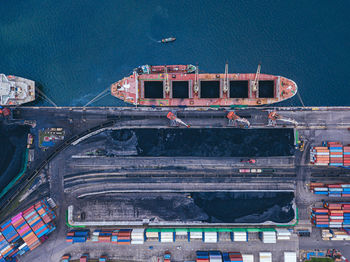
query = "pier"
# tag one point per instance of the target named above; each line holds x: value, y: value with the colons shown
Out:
x: 80, y: 176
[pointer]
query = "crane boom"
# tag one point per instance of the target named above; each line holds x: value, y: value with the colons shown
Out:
x: 256, y: 80
x: 225, y: 87
x: 196, y: 84
x: 167, y: 86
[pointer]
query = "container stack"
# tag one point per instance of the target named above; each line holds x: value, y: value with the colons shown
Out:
x: 44, y: 210
x: 102, y: 259
x: 215, y: 256
x: 290, y: 257
x: 7, y: 237
x: 5, y: 248
x: 248, y: 258
x: 167, y: 257
x: 166, y: 236
x: 268, y: 237
x: 210, y: 237
x: 9, y: 232
x: 137, y: 236
x: 265, y: 257
x: 342, y: 234
x: 331, y: 190
x: 202, y: 256
x: 25, y: 231
x: 319, y: 156
x: 196, y: 235
x: 152, y: 235
x: 35, y: 222
x: 77, y: 236
x: 326, y: 234
x: 331, y: 153
x: 181, y: 234
x: 239, y: 236
x: 65, y: 258
x: 103, y: 236
x: 84, y: 258
x: 335, y: 153
x: 114, y: 238
x: 283, y: 234
x: 124, y: 237
x: 332, y: 215
x: 235, y: 256
x: 346, y: 150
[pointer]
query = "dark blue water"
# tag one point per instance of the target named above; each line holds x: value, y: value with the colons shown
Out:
x: 76, y: 49
x: 13, y: 141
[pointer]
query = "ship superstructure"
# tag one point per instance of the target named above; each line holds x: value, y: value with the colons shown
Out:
x: 182, y: 85
x: 16, y: 90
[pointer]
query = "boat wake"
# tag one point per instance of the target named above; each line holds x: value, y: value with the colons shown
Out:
x: 152, y: 39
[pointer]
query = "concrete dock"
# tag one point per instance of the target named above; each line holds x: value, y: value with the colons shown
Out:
x: 76, y: 178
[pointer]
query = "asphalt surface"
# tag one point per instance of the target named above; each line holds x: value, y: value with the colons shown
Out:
x: 314, y: 125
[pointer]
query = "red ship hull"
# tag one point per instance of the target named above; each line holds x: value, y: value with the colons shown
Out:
x: 175, y: 86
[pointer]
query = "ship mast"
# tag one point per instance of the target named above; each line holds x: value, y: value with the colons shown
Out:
x: 196, y: 84
x: 256, y: 80
x: 225, y: 88
x: 167, y: 86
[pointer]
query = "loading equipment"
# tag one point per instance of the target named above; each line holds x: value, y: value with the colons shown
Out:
x: 274, y: 116
x: 175, y: 121
x: 236, y: 121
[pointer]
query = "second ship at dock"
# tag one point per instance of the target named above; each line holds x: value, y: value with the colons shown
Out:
x: 182, y: 85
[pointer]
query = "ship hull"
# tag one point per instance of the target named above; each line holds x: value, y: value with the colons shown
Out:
x: 179, y: 89
x: 16, y: 90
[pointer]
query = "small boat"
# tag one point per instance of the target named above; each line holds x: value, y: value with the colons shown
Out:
x: 168, y: 40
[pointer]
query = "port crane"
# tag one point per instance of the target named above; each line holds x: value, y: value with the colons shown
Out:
x: 196, y: 82
x: 255, y: 83
x: 274, y: 116
x: 235, y: 120
x: 225, y: 87
x: 167, y: 85
x: 175, y: 121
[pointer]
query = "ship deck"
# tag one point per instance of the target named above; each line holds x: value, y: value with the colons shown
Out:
x: 178, y: 89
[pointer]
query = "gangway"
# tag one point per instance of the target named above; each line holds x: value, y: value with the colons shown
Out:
x: 235, y: 120
x: 274, y: 116
x: 175, y: 121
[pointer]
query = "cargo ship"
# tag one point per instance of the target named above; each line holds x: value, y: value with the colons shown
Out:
x: 16, y: 90
x: 182, y: 85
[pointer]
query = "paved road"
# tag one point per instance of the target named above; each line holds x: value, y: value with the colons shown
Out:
x: 313, y: 125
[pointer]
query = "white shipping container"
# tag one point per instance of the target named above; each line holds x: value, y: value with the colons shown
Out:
x: 151, y: 234
x: 166, y: 240
x: 283, y: 231
x: 336, y: 217
x: 94, y: 238
x: 248, y: 258
x: 290, y: 257
x: 22, y: 246
x: 196, y: 234
x: 265, y: 257
x: 181, y: 233
x: 137, y: 242
x: 167, y: 234
x: 269, y: 237
x: 283, y: 238
x: 321, y: 189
